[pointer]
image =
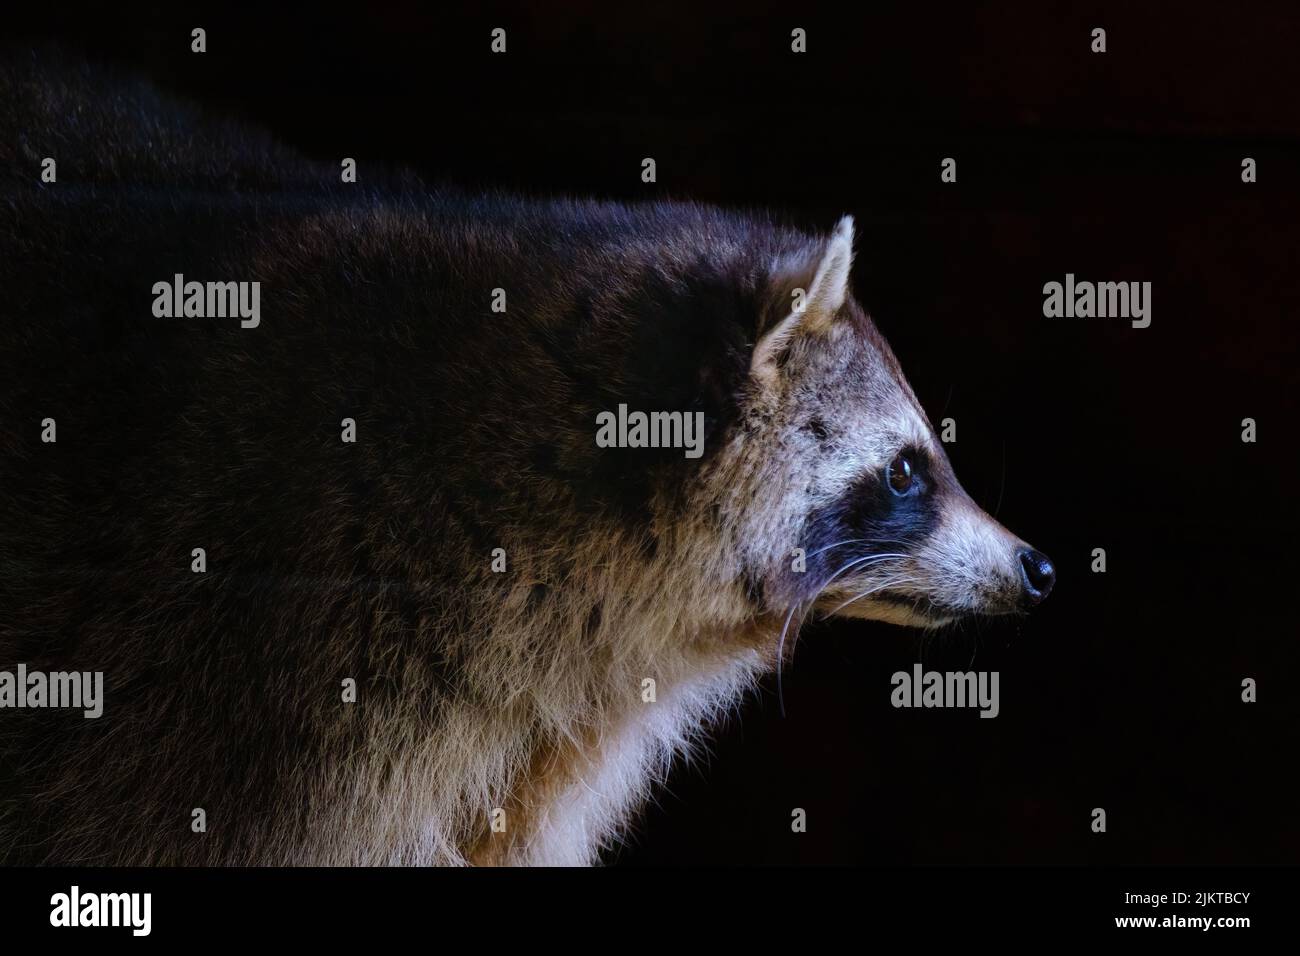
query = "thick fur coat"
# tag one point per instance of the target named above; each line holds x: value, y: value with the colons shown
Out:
x: 517, y: 696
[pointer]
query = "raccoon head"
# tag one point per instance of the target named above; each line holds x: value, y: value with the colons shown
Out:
x: 859, y: 513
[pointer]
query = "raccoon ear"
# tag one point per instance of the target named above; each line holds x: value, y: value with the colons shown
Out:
x: 830, y: 284
x: 809, y: 290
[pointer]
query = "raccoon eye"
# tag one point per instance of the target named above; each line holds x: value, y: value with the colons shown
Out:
x: 900, y: 475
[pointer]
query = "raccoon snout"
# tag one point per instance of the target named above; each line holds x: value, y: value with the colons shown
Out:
x: 1037, y: 574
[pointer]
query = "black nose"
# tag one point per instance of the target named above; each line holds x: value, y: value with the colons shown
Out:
x: 1038, y: 573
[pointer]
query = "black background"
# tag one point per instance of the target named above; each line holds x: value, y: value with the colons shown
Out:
x: 1123, y: 690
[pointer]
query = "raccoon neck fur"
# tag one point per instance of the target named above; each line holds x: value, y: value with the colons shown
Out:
x: 556, y: 739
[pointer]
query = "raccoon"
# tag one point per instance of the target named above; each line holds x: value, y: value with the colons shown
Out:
x: 430, y: 644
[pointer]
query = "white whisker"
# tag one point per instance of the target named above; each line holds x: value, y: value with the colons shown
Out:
x: 880, y: 587
x: 859, y: 561
x: 780, y: 644
x: 780, y: 653
x: 837, y: 544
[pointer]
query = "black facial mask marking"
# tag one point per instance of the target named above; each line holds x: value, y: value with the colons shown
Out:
x: 870, y: 519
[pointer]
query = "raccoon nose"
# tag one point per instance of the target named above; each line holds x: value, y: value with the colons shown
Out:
x: 1038, y: 573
